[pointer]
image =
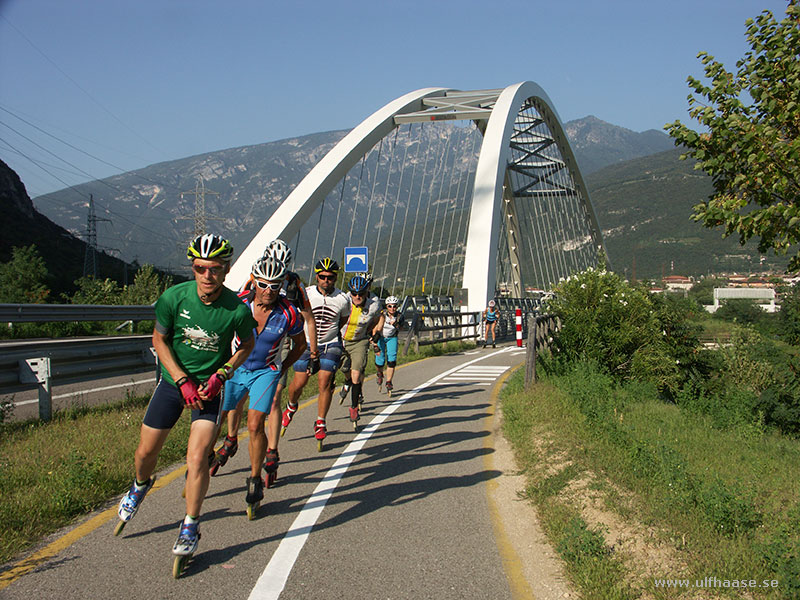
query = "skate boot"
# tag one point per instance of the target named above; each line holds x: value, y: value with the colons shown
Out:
x: 389, y: 388
x: 185, y: 546
x: 255, y: 494
x: 379, y: 379
x: 344, y: 391
x: 271, y: 466
x: 287, y: 417
x: 320, y: 432
x: 130, y: 503
x: 226, y: 451
x: 354, y: 417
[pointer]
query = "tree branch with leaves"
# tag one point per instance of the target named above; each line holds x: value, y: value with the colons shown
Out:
x: 749, y: 143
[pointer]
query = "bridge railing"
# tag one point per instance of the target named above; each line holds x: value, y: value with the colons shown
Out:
x: 439, y: 327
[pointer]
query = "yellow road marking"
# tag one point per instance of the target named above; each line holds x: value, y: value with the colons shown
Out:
x: 512, y: 565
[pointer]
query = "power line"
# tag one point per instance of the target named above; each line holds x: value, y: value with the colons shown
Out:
x: 55, y: 137
x: 77, y: 85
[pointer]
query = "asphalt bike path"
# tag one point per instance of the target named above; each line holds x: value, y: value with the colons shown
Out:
x: 398, y: 509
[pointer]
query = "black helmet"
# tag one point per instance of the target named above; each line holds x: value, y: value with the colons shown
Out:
x: 326, y: 263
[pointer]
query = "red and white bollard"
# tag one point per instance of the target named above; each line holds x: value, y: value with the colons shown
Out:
x: 518, y: 318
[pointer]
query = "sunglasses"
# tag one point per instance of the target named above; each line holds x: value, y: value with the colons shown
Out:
x: 200, y: 270
x: 327, y: 277
x: 266, y: 284
x: 391, y: 306
x: 359, y: 294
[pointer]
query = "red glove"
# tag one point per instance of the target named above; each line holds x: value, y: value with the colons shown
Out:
x: 214, y: 385
x: 188, y: 390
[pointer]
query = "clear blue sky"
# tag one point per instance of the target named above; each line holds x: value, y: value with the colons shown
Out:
x: 136, y: 82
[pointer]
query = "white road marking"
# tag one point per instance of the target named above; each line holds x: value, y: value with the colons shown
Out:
x: 100, y: 389
x: 273, y: 579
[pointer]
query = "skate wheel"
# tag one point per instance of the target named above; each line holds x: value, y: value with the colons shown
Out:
x: 183, y: 491
x: 252, y: 509
x: 179, y: 564
x: 355, y: 425
x: 120, y: 526
x: 283, y: 430
x: 319, y: 445
x: 271, y: 477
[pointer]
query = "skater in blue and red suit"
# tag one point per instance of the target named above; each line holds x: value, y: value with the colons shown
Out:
x: 276, y: 319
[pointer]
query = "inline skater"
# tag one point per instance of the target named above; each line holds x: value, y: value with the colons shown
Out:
x: 295, y: 292
x: 393, y: 322
x: 258, y: 377
x: 196, y: 322
x: 331, y: 308
x: 363, y: 325
x: 490, y: 316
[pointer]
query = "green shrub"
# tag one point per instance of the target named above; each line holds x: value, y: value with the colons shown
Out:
x: 607, y: 322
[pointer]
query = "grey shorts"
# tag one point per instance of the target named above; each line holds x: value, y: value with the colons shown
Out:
x: 355, y: 355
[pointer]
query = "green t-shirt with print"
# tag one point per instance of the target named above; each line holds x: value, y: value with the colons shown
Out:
x: 201, y: 334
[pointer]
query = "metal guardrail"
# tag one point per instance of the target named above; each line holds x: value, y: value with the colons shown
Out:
x: 28, y: 365
x: 540, y: 335
x: 40, y: 313
x: 441, y: 327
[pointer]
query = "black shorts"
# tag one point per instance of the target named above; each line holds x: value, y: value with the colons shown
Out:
x: 166, y: 406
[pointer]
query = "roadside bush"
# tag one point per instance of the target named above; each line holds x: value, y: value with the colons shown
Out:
x: 607, y: 322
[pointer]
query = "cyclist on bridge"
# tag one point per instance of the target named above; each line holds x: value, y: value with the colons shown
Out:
x: 331, y: 308
x: 364, y: 325
x: 276, y: 319
x: 393, y: 322
x: 196, y: 322
x: 294, y: 291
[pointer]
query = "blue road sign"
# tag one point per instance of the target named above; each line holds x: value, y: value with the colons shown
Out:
x: 355, y: 259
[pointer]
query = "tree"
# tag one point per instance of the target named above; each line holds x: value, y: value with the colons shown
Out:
x: 147, y: 286
x: 22, y: 279
x: 96, y: 291
x: 750, y: 144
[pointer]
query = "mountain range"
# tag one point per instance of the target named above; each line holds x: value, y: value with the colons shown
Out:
x: 641, y: 192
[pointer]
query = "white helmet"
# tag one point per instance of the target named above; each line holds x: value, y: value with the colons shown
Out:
x: 491, y: 303
x: 392, y: 300
x: 280, y: 250
x: 269, y: 268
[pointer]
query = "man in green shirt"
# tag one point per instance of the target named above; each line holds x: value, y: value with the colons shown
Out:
x: 196, y: 322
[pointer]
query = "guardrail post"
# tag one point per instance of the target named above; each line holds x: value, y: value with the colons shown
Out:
x: 530, y: 356
x: 37, y: 370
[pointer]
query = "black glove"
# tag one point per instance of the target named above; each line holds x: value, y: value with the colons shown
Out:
x: 313, y: 366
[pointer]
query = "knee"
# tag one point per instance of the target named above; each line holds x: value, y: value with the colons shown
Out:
x: 391, y: 364
x: 255, y: 422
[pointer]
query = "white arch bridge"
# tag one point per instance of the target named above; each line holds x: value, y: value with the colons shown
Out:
x: 475, y: 193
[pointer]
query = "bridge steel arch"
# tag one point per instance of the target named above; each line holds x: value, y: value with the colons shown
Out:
x: 492, y: 187
x: 300, y: 204
x: 497, y: 114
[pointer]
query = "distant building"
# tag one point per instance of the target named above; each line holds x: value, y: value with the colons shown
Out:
x: 677, y: 282
x: 762, y: 297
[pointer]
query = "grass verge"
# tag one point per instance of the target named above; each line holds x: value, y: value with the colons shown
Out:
x: 631, y: 490
x: 51, y: 473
